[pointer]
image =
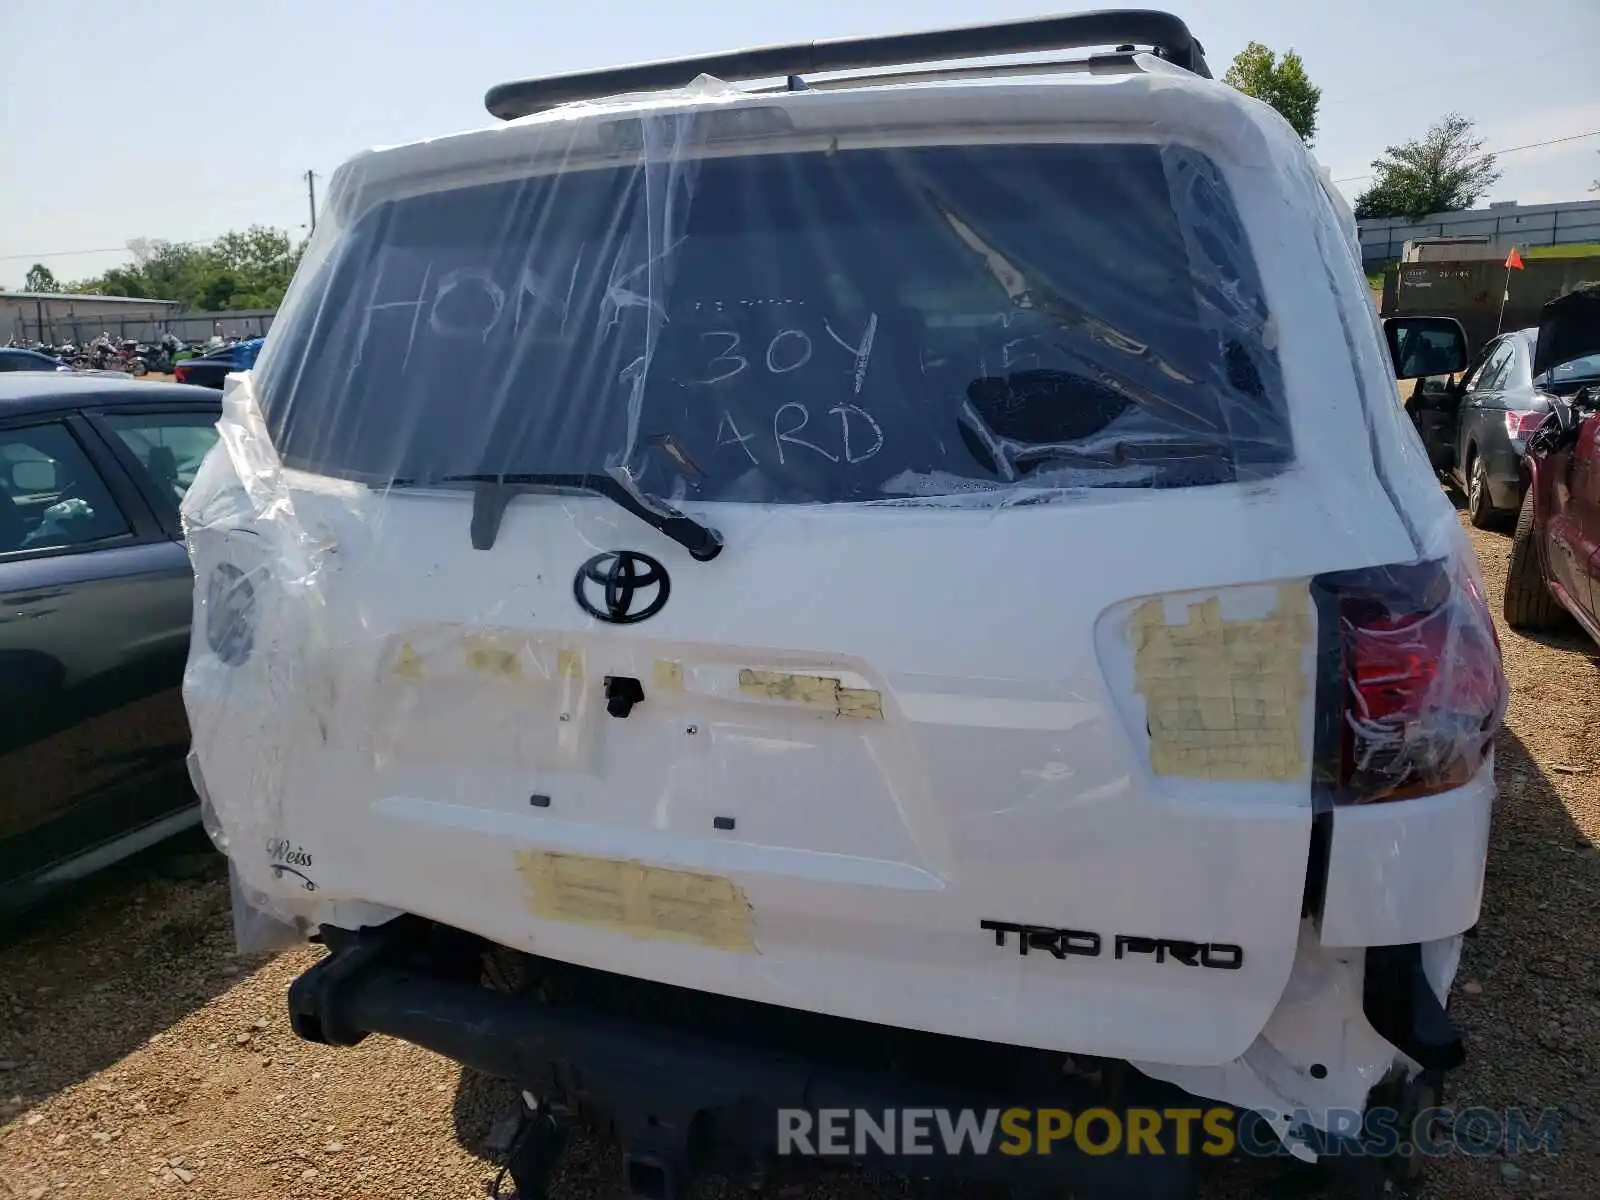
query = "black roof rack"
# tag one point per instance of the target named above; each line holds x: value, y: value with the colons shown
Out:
x: 1166, y: 34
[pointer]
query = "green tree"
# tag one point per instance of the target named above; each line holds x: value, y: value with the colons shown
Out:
x: 1281, y: 82
x: 244, y: 269
x: 260, y: 263
x: 40, y: 279
x: 1445, y: 170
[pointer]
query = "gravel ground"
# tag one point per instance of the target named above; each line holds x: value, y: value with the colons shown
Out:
x: 139, y: 1055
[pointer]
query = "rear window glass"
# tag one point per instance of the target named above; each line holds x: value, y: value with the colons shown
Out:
x: 1587, y: 367
x: 861, y: 325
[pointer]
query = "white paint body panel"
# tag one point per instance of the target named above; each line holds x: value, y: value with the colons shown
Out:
x: 1009, y: 777
x: 1408, y: 872
x: 1010, y: 786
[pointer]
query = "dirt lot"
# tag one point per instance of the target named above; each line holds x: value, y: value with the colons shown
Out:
x: 138, y: 1055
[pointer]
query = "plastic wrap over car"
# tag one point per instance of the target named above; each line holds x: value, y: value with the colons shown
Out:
x: 777, y: 543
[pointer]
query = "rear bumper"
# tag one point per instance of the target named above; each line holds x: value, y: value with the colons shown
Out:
x: 694, y: 1083
x: 707, y: 1098
x: 1408, y: 871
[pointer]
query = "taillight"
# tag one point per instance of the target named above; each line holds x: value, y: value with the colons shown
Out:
x: 180, y: 373
x: 1410, y: 688
x: 1520, y: 424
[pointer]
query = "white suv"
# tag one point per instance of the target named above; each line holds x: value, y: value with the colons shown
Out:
x: 919, y: 558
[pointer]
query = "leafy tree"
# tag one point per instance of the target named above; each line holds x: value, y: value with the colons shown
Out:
x: 243, y: 269
x: 261, y: 263
x: 1445, y: 170
x: 1281, y: 82
x: 40, y: 279
x: 1381, y: 201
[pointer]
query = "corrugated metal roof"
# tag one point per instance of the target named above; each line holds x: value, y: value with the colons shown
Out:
x: 86, y: 296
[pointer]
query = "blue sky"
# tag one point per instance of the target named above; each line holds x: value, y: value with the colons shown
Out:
x: 182, y: 119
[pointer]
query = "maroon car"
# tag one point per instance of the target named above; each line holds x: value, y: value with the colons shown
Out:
x: 1555, y: 551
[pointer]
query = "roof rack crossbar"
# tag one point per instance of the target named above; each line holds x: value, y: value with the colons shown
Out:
x: 1099, y: 64
x: 1166, y: 34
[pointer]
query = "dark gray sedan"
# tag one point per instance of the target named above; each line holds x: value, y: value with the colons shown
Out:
x: 95, y: 602
x: 1477, y: 430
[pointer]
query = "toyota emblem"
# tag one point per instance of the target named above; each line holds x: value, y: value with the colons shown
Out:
x: 622, y: 587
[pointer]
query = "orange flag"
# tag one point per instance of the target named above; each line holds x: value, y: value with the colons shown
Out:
x: 1513, y: 260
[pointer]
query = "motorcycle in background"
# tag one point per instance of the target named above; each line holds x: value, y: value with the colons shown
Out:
x: 163, y: 356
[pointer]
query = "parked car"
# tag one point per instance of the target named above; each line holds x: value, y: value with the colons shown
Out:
x: 13, y: 358
x: 1554, y: 568
x: 1476, y: 429
x: 95, y: 599
x: 212, y: 368
x: 908, y: 591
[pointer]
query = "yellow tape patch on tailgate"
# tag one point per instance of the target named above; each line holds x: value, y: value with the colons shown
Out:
x: 626, y: 896
x: 823, y: 691
x: 1223, y: 697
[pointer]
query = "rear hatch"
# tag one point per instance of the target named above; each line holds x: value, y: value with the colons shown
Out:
x: 1569, y: 330
x: 993, y: 713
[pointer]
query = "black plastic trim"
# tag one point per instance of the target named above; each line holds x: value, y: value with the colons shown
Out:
x: 685, y: 1100
x: 1326, y: 734
x: 1166, y: 33
x: 1400, y: 1004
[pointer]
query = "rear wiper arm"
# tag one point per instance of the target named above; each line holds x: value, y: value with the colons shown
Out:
x: 491, y: 494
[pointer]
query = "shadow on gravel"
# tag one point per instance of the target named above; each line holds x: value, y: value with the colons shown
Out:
x: 102, y: 967
x: 485, y: 1114
x: 1571, y: 639
x: 1503, y: 523
x: 1528, y: 991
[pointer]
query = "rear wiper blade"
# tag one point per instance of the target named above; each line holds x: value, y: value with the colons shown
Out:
x: 491, y: 494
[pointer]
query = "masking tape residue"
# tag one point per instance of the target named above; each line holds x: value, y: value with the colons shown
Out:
x: 408, y: 665
x: 569, y: 664
x: 820, y: 690
x: 488, y: 656
x: 1223, y: 698
x: 861, y: 703
x: 781, y: 685
x: 626, y: 896
x: 669, y: 675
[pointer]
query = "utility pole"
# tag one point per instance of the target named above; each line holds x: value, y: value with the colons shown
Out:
x: 311, y: 195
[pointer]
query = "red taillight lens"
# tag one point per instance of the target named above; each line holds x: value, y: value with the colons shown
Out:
x: 180, y: 374
x: 1520, y: 424
x: 1394, y: 664
x: 1420, y: 691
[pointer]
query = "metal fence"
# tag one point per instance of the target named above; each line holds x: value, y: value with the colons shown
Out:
x: 1471, y: 292
x: 1520, y: 225
x: 191, y: 327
